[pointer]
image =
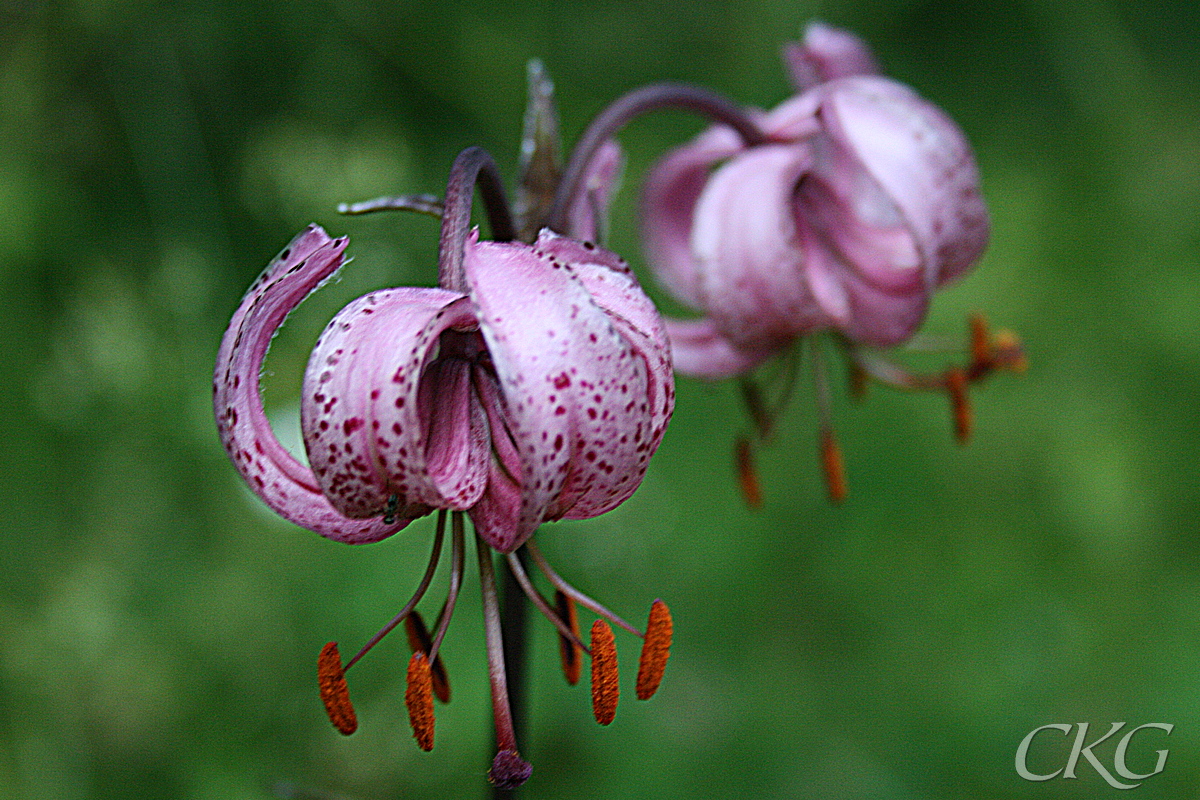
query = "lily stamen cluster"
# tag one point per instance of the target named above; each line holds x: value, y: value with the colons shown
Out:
x: 988, y: 352
x: 427, y: 677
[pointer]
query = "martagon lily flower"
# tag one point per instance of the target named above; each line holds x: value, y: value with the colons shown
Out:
x: 858, y: 200
x: 532, y: 384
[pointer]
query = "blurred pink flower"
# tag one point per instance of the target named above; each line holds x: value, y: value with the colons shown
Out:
x: 843, y: 209
x: 827, y: 53
x: 863, y: 201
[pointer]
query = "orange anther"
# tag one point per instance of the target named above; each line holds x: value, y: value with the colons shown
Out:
x: 420, y: 641
x: 418, y: 697
x: 656, y: 648
x: 833, y: 466
x: 605, y: 688
x: 981, y: 344
x: 334, y: 693
x: 747, y: 475
x: 960, y: 403
x: 1010, y: 353
x: 569, y: 652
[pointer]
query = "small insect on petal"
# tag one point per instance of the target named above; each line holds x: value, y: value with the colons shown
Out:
x: 960, y: 403
x: 656, y: 648
x: 334, y: 692
x: 569, y: 652
x: 747, y: 475
x: 833, y: 467
x: 418, y: 697
x: 605, y: 688
x: 420, y: 641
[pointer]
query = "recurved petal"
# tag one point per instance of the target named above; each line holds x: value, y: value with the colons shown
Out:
x: 575, y: 391
x: 284, y: 484
x: 387, y: 411
x: 335, y: 412
x: 669, y: 197
x: 614, y: 289
x: 749, y: 251
x: 861, y: 309
x: 827, y: 53
x: 441, y: 439
x: 858, y: 220
x: 700, y: 350
x: 497, y: 514
x: 456, y: 431
x: 922, y: 161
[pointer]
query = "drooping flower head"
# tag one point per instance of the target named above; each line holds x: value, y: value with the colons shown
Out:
x: 533, y: 384
x: 862, y: 201
x: 857, y: 203
x: 536, y: 394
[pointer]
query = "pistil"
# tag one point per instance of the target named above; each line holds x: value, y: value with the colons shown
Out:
x: 508, y: 770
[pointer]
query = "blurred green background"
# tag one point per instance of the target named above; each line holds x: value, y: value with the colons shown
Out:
x: 159, y: 627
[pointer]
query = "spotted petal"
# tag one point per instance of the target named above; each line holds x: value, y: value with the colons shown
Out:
x: 387, y: 423
x: 575, y: 391
x: 748, y: 251
x: 615, y: 290
x: 283, y: 483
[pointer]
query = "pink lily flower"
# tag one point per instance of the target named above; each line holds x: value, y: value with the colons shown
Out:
x: 537, y: 394
x: 533, y: 384
x: 843, y: 209
x: 863, y: 201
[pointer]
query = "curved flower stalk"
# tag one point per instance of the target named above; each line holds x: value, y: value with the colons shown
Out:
x: 862, y: 201
x: 532, y: 384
